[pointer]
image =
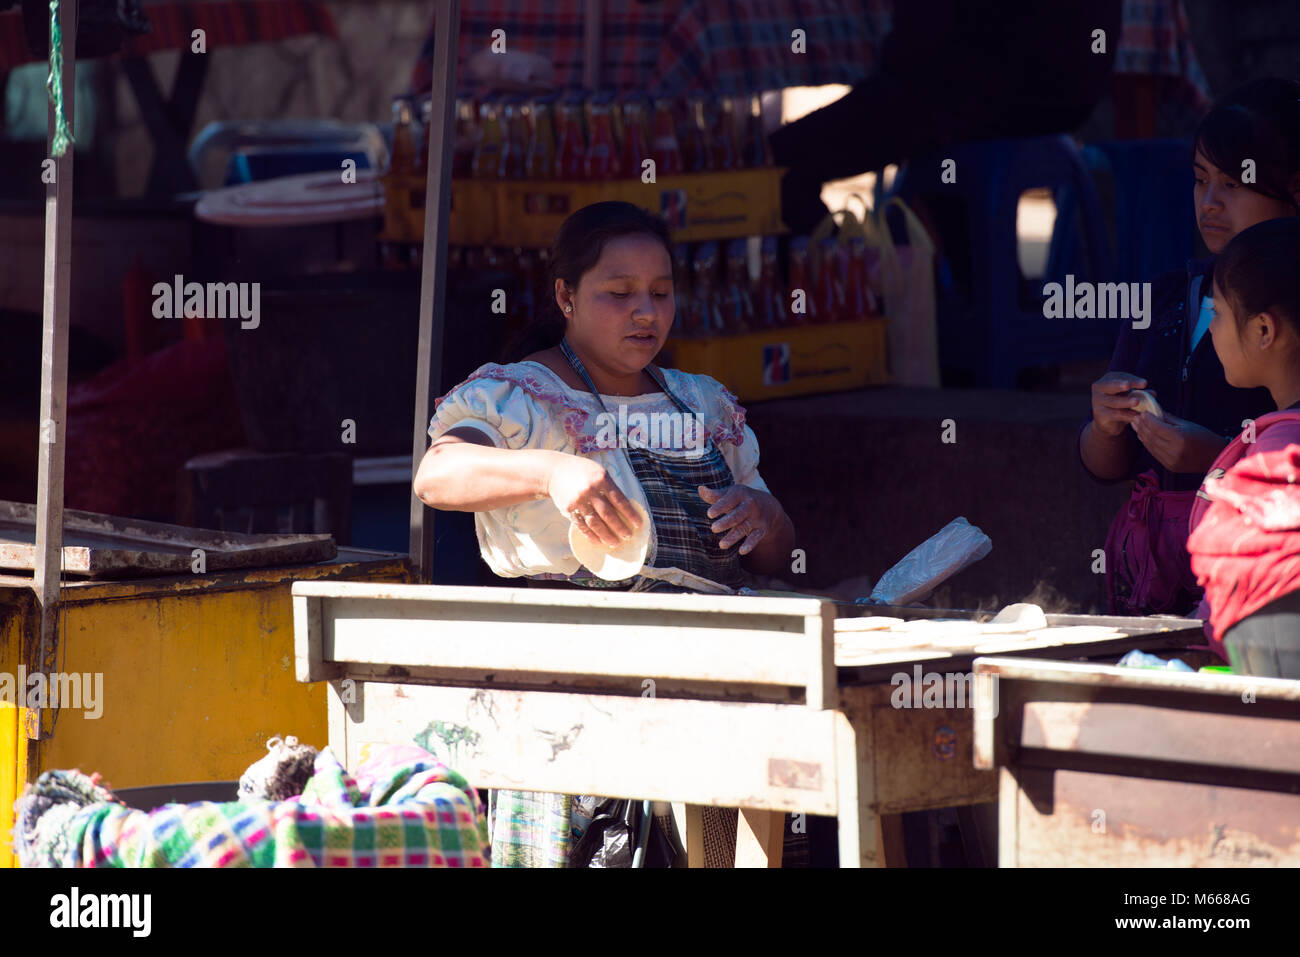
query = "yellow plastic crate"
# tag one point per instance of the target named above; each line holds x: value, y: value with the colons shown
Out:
x: 697, y: 206
x: 799, y: 360
x: 472, y: 220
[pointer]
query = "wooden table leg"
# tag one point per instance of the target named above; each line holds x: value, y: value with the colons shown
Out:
x: 892, y: 850
x: 689, y: 821
x: 760, y: 838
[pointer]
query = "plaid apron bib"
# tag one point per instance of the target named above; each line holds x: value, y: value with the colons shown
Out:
x: 683, y: 537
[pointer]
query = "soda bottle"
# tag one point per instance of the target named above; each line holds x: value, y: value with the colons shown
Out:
x: 636, y: 147
x: 829, y: 292
x: 404, y: 155
x: 726, y: 148
x: 539, y: 162
x: 707, y: 315
x: 770, y: 301
x: 665, y: 148
x: 426, y: 125
x: 525, y: 305
x: 601, y: 161
x: 758, y: 151
x: 737, y: 303
x: 699, y: 136
x: 803, y: 304
x: 859, y: 301
x: 573, y: 143
x: 465, y: 139
x: 514, y: 139
x: 487, y: 153
x: 543, y: 285
x: 683, y: 321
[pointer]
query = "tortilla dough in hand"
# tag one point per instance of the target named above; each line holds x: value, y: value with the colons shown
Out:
x: 1147, y: 403
x: 613, y: 563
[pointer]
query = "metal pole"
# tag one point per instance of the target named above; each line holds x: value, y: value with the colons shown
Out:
x: 54, y: 373
x: 433, y: 278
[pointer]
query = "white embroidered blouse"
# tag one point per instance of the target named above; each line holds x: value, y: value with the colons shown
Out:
x: 524, y: 405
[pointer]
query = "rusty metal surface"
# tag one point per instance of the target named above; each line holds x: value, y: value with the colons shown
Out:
x: 108, y: 546
x: 1116, y: 767
x: 1153, y: 733
x: 1088, y: 819
x: 921, y: 756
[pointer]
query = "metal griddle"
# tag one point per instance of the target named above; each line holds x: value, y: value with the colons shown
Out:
x: 1150, y: 633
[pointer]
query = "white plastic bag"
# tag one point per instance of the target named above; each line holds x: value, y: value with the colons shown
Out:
x: 957, y: 545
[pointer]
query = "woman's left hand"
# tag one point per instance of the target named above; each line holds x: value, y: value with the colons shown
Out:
x: 746, y: 514
x: 1177, y: 444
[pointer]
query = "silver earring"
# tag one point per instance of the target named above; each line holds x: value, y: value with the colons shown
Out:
x: 568, y: 309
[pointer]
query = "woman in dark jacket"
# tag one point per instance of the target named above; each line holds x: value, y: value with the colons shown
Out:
x: 1246, y: 155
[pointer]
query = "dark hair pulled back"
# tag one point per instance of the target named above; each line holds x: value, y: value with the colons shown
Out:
x: 577, y: 248
x: 1258, y: 121
x: 1259, y: 271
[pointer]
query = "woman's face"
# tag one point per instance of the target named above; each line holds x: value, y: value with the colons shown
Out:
x: 1228, y: 344
x: 623, y: 306
x: 1224, y: 207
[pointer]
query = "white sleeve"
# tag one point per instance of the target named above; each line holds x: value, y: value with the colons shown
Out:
x: 501, y: 410
x: 743, y: 459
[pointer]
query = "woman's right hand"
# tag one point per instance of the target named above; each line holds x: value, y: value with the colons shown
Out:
x: 1112, y: 407
x: 583, y: 491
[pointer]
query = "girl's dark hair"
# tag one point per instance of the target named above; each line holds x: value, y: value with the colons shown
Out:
x: 1258, y: 271
x: 577, y: 248
x: 1258, y: 121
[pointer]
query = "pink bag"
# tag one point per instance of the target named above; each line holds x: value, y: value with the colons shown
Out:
x: 1148, y: 570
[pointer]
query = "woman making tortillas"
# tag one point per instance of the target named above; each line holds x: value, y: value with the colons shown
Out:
x: 587, y: 463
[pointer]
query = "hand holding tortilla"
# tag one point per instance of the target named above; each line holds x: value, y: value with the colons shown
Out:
x: 584, y: 492
x: 1147, y: 403
x: 613, y: 562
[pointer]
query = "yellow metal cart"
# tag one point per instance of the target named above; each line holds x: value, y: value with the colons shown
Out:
x: 197, y: 672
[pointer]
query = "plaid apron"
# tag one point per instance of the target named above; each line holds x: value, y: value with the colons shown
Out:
x: 536, y: 829
x: 683, y: 537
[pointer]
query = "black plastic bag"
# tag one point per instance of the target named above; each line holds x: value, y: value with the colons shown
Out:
x: 610, y: 838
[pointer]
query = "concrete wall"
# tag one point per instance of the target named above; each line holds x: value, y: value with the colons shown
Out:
x: 866, y: 478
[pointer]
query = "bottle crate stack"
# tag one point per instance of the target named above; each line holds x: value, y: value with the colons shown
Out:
x: 522, y: 164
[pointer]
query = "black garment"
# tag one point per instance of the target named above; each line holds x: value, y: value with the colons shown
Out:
x: 1267, y: 643
x: 952, y: 71
x: 1189, y: 387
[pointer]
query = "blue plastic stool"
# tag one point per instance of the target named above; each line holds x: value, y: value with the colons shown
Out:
x: 994, y: 335
x: 1155, y: 222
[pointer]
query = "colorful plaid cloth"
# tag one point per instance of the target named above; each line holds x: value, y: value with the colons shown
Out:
x: 226, y: 23
x: 744, y: 46
x: 1156, y: 40
x: 410, y: 811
